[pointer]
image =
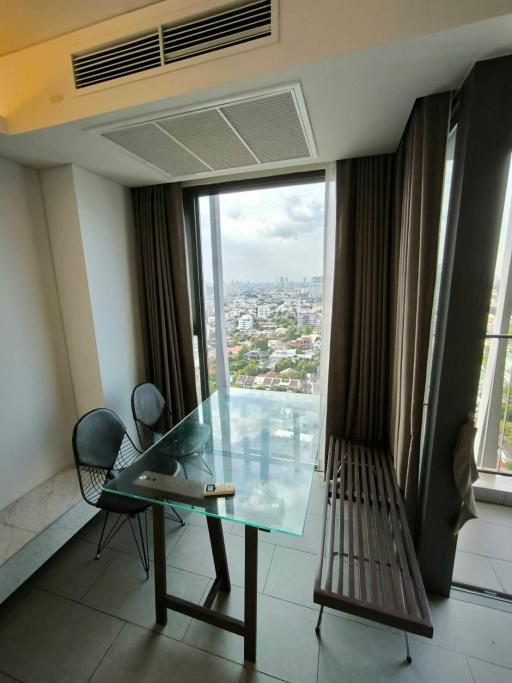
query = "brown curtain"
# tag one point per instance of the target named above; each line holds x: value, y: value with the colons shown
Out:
x: 419, y: 188
x: 388, y: 212
x: 159, y: 223
x: 357, y: 395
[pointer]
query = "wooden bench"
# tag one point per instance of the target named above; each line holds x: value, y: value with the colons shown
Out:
x: 368, y: 566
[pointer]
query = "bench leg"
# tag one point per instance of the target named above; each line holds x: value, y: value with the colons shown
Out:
x: 408, y: 658
x: 318, y: 623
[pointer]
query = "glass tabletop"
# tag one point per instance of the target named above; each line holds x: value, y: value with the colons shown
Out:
x: 263, y: 442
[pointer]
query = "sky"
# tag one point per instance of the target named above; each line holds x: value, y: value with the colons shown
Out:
x: 267, y: 234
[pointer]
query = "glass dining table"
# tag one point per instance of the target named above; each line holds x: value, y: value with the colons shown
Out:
x: 264, y: 443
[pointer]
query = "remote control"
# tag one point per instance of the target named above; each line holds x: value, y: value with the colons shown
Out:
x: 227, y: 489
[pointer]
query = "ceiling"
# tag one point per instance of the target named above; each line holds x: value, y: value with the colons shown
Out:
x: 358, y: 104
x: 52, y: 18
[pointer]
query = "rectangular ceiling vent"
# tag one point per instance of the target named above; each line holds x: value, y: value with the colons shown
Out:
x: 241, y: 133
x: 129, y: 56
x: 197, y: 36
x: 215, y: 31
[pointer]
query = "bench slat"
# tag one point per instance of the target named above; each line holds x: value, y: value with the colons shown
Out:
x: 360, y: 544
x: 417, y: 581
x: 334, y: 498
x: 386, y: 584
x: 398, y: 529
x: 341, y: 533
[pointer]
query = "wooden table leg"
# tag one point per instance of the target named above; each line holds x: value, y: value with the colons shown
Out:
x: 219, y: 552
x: 250, y: 593
x: 159, y: 558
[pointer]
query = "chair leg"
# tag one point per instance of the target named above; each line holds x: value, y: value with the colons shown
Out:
x: 205, y: 468
x: 116, y: 526
x: 175, y: 516
x: 143, y: 547
x: 319, y: 622
x: 408, y: 658
x: 99, y: 549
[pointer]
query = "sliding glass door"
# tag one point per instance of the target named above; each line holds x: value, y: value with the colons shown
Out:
x: 261, y: 276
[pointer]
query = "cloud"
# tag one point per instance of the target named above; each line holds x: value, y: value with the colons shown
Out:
x: 270, y: 233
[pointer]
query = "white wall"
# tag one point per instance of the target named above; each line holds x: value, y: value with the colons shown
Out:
x: 37, y: 82
x: 58, y: 186
x: 108, y: 236
x: 91, y: 230
x: 37, y: 407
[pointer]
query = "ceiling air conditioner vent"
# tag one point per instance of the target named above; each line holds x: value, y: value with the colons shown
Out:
x: 248, y: 21
x: 133, y: 54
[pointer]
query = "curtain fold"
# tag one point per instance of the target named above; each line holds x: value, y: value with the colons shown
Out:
x: 357, y: 394
x: 388, y: 213
x: 419, y: 188
x: 159, y: 223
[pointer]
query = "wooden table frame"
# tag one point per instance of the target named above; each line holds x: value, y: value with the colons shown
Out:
x: 204, y: 612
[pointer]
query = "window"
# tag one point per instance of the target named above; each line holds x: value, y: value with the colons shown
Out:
x: 261, y: 269
x: 494, y: 403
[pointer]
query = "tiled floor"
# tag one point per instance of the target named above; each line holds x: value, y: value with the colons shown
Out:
x: 82, y: 620
x: 484, y: 549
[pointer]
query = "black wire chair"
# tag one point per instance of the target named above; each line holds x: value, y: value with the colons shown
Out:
x: 153, y: 419
x: 103, y: 448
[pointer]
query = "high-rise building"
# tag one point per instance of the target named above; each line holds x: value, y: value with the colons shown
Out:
x: 264, y: 311
x: 316, y: 287
x: 305, y: 317
x: 245, y: 322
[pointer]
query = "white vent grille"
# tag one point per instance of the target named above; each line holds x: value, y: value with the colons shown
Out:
x: 248, y: 21
x: 196, y: 36
x: 270, y: 126
x: 207, y: 134
x: 121, y: 59
x: 245, y: 133
x: 150, y: 143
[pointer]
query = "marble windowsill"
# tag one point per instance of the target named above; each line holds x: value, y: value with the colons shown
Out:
x: 34, y: 512
x: 493, y: 488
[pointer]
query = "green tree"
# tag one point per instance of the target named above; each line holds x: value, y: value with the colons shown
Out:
x: 261, y: 344
x: 291, y: 333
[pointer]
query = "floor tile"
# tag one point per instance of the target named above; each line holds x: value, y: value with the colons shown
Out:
x: 504, y: 571
x: 124, y: 592
x: 475, y: 570
x: 484, y: 538
x: 497, y: 514
x: 287, y: 644
x: 198, y: 519
x: 73, y: 570
x: 140, y: 656
x: 292, y: 576
x: 309, y: 542
x: 193, y: 553
x: 252, y: 676
x: 484, y: 672
x: 317, y: 495
x: 6, y: 679
x: 49, y: 638
x: 12, y: 539
x: 123, y: 540
x: 353, y: 652
x: 472, y: 630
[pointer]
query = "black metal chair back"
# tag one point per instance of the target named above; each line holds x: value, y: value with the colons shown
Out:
x: 101, y: 446
x: 151, y: 414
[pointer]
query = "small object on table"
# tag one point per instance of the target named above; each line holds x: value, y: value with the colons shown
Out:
x: 226, y: 489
